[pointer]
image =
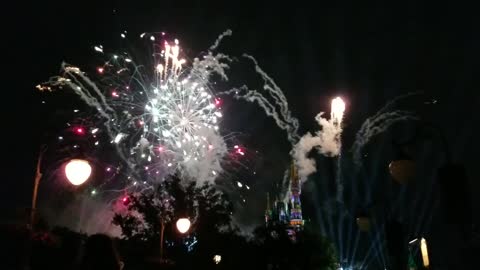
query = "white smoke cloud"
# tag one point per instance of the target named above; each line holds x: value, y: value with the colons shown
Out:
x: 306, y: 165
x: 84, y: 214
x: 326, y: 141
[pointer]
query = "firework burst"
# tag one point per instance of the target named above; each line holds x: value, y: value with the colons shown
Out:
x: 162, y: 117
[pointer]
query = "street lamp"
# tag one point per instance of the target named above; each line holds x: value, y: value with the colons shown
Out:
x: 363, y: 223
x: 402, y: 169
x: 38, y: 176
x: 452, y: 179
x: 455, y: 202
x: 423, y: 250
x: 183, y: 225
x: 77, y: 171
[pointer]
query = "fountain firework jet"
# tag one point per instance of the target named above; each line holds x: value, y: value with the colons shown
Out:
x: 338, y: 108
x: 161, y: 117
x: 326, y: 141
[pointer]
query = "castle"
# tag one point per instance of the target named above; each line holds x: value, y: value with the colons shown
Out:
x: 288, y: 213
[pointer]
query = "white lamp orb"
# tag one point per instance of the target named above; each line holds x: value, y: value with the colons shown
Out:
x: 217, y: 259
x: 78, y: 171
x: 183, y: 224
x: 402, y: 170
x: 423, y: 248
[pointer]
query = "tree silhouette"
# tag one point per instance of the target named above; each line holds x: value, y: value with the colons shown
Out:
x: 208, y: 209
x: 210, y: 212
x: 310, y: 250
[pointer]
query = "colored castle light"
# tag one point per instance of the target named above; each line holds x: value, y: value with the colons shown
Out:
x: 287, y: 213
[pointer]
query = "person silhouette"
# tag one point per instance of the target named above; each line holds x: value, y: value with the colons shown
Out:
x: 101, y: 254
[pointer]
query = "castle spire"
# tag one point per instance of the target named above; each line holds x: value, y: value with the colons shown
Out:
x: 268, y: 211
x: 294, y: 181
x: 293, y: 171
x: 296, y: 220
x: 268, y: 202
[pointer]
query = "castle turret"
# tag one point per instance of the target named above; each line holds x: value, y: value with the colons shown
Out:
x: 296, y: 210
x: 287, y: 212
x: 268, y: 211
x: 282, y: 212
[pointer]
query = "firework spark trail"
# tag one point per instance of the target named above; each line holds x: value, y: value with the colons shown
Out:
x: 274, y: 103
x: 215, y: 45
x: 379, y: 123
x: 75, y: 79
x: 375, y: 125
x: 394, y: 102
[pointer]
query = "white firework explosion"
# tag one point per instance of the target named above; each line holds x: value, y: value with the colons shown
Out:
x: 162, y: 118
x: 181, y: 116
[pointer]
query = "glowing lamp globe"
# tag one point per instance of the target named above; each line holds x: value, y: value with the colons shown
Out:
x: 78, y: 171
x: 402, y: 170
x: 217, y: 259
x: 183, y: 224
x: 424, y: 249
x: 363, y: 223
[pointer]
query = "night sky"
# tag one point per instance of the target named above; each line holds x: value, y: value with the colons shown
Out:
x: 366, y: 53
